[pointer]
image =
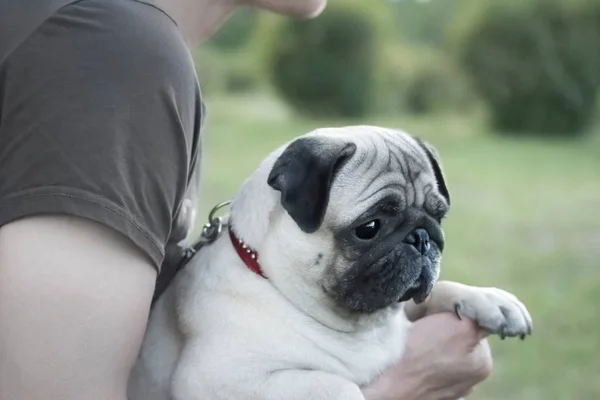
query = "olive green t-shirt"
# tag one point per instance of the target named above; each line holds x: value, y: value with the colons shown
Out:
x: 100, y: 117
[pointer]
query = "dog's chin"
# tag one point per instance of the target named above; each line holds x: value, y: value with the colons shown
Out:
x: 395, y: 278
x: 421, y: 288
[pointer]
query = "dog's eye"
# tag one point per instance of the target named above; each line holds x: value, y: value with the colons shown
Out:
x: 369, y: 230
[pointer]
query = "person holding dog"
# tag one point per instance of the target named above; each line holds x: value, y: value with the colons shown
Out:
x: 100, y: 144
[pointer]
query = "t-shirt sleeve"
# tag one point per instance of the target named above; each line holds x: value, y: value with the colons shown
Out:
x: 100, y: 115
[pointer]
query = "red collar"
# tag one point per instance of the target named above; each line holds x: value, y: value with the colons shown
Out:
x: 248, y: 256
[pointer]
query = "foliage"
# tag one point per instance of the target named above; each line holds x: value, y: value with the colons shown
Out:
x: 230, y: 72
x: 236, y: 32
x: 327, y: 66
x: 423, y: 22
x: 421, y: 79
x: 536, y: 63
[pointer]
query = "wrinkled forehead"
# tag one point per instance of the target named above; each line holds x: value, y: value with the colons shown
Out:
x: 387, y: 165
x: 369, y: 138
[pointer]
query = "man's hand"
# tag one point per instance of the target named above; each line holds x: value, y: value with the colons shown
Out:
x: 444, y: 359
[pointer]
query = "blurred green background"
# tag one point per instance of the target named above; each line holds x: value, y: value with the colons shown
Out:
x: 507, y: 92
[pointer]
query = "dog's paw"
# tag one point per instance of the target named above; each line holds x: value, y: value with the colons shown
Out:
x: 496, y: 311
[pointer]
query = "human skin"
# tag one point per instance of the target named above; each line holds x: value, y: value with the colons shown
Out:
x: 74, y: 301
x: 75, y: 295
x: 445, y: 358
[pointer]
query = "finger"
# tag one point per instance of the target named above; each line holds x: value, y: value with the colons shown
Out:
x: 471, y: 331
x: 480, y: 362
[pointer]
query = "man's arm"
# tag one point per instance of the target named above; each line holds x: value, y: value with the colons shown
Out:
x: 74, y: 300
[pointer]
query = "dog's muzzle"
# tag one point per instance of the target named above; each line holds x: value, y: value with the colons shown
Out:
x: 422, y: 286
x: 392, y: 272
x: 419, y: 239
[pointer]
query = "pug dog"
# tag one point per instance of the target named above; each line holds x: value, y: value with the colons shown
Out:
x: 331, y: 249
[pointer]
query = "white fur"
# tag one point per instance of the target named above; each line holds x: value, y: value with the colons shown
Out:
x: 235, y: 329
x: 222, y: 332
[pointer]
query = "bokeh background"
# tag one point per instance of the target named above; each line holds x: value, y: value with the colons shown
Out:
x: 508, y: 93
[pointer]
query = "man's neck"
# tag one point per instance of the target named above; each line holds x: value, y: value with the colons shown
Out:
x: 199, y: 19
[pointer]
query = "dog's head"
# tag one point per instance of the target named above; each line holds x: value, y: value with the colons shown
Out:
x: 356, y: 216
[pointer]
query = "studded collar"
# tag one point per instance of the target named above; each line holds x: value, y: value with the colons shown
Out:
x: 248, y: 256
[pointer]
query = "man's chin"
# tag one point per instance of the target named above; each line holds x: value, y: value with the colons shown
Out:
x: 302, y: 9
x: 319, y: 7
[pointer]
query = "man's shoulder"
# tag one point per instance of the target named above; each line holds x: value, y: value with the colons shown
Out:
x: 131, y: 20
x: 130, y: 41
x: 138, y: 21
x: 139, y: 14
x: 18, y: 19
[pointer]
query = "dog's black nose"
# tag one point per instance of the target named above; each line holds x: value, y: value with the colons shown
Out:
x: 419, y: 238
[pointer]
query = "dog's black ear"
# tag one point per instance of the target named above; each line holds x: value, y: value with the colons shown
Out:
x: 304, y: 173
x: 436, y: 164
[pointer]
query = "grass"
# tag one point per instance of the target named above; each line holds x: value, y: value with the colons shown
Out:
x: 525, y: 217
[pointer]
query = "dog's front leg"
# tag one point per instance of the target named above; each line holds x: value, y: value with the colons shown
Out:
x: 277, y: 385
x: 308, y: 384
x: 495, y: 310
x: 204, y: 376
